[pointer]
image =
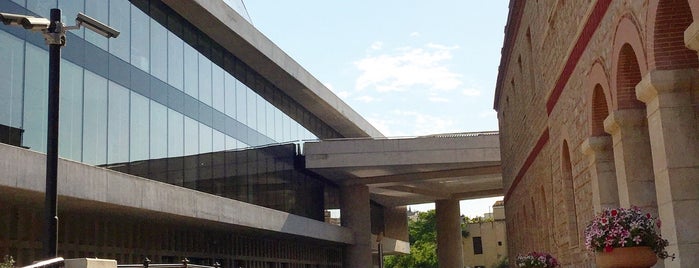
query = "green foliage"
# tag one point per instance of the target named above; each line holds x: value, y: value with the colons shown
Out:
x: 502, y: 263
x: 423, y: 244
x: 7, y: 262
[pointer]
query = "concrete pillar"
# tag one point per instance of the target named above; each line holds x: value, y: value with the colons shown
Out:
x: 600, y: 156
x: 449, y: 247
x: 355, y: 214
x: 674, y: 136
x: 632, y: 158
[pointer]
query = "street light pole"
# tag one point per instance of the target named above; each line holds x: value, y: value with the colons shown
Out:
x: 50, y: 199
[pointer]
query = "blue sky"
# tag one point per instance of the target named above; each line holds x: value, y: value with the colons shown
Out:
x: 409, y: 67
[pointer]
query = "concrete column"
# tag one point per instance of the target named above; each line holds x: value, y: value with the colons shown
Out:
x: 674, y: 136
x: 632, y: 158
x: 449, y: 247
x: 600, y: 156
x: 355, y: 214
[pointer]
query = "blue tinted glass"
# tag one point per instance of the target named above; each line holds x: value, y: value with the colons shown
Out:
x: 191, y: 136
x: 261, y: 115
x: 158, y: 130
x: 11, y: 74
x: 69, y: 11
x: 217, y: 88
x: 278, y: 125
x: 205, y: 139
x: 230, y: 95
x: 118, y: 124
x: 251, y: 101
x: 96, y: 10
x: 41, y: 7
x: 140, y: 127
x: 71, y: 112
x: 158, y: 50
x: 95, y: 120
x: 269, y: 113
x: 204, y: 80
x: 231, y: 143
x: 175, y: 62
x: 191, y: 71
x: 120, y: 18
x: 175, y: 133
x: 219, y: 141
x: 35, y: 98
x: 241, y: 102
x: 140, y: 47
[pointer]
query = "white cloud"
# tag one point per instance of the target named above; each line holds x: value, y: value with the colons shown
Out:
x: 414, y: 34
x: 376, y: 45
x: 365, y: 98
x: 425, y: 124
x: 471, y: 92
x: 438, y: 99
x: 344, y: 94
x: 488, y: 113
x: 408, y: 67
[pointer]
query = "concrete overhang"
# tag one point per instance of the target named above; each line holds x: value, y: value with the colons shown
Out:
x: 84, y: 187
x: 413, y: 170
x: 235, y: 34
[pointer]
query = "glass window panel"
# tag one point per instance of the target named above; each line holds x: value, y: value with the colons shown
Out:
x: 95, y: 119
x: 158, y: 50
x: 205, y: 139
x: 175, y: 62
x: 261, y: 114
x: 140, y: 127
x: 35, y: 98
x: 158, y: 130
x: 191, y: 72
x: 41, y: 7
x: 230, y: 95
x: 11, y: 75
x: 204, y: 80
x: 241, y: 102
x: 20, y: 2
x: 278, y: 125
x: 71, y: 112
x: 118, y: 124
x: 175, y: 133
x: 140, y: 32
x: 252, y: 109
x: 191, y: 136
x: 269, y: 114
x: 69, y: 11
x: 287, y: 128
x: 231, y: 143
x: 219, y: 141
x: 120, y: 18
x: 96, y: 10
x: 217, y: 88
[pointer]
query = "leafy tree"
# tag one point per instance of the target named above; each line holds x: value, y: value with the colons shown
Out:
x: 7, y: 262
x: 423, y: 244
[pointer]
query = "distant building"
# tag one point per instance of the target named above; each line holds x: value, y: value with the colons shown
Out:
x: 486, y: 243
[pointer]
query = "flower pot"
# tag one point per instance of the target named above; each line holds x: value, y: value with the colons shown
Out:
x: 630, y: 257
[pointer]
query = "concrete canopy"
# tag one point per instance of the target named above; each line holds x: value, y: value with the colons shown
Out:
x: 413, y: 170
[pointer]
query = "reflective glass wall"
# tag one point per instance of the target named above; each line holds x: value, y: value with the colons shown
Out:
x: 159, y: 101
x: 161, y: 89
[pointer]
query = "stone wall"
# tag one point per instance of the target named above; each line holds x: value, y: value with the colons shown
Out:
x: 597, y: 102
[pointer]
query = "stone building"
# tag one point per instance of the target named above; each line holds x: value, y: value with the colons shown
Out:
x: 597, y: 103
x: 486, y: 244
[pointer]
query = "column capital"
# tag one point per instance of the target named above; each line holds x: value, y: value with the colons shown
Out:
x: 691, y: 36
x: 620, y: 119
x: 658, y: 82
x: 596, y: 144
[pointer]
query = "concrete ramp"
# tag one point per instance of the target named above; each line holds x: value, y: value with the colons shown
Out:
x: 415, y: 170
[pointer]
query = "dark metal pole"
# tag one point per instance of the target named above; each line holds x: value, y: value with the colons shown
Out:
x: 50, y: 202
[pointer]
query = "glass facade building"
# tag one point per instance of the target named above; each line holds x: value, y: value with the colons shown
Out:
x: 155, y: 102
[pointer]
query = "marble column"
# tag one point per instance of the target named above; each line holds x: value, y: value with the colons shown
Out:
x: 449, y: 247
x: 600, y: 157
x: 674, y: 137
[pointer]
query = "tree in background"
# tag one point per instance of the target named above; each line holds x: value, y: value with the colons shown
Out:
x: 423, y: 244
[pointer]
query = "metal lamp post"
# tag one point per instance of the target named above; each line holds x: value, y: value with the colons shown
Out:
x: 55, y: 35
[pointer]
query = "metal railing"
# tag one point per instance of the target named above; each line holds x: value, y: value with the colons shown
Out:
x: 184, y: 264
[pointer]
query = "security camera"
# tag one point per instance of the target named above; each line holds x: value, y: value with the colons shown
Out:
x: 96, y: 26
x: 28, y: 22
x: 12, y: 19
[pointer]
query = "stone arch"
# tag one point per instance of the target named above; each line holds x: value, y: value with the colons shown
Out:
x: 628, y: 64
x: 568, y: 190
x: 600, y: 98
x: 667, y: 22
